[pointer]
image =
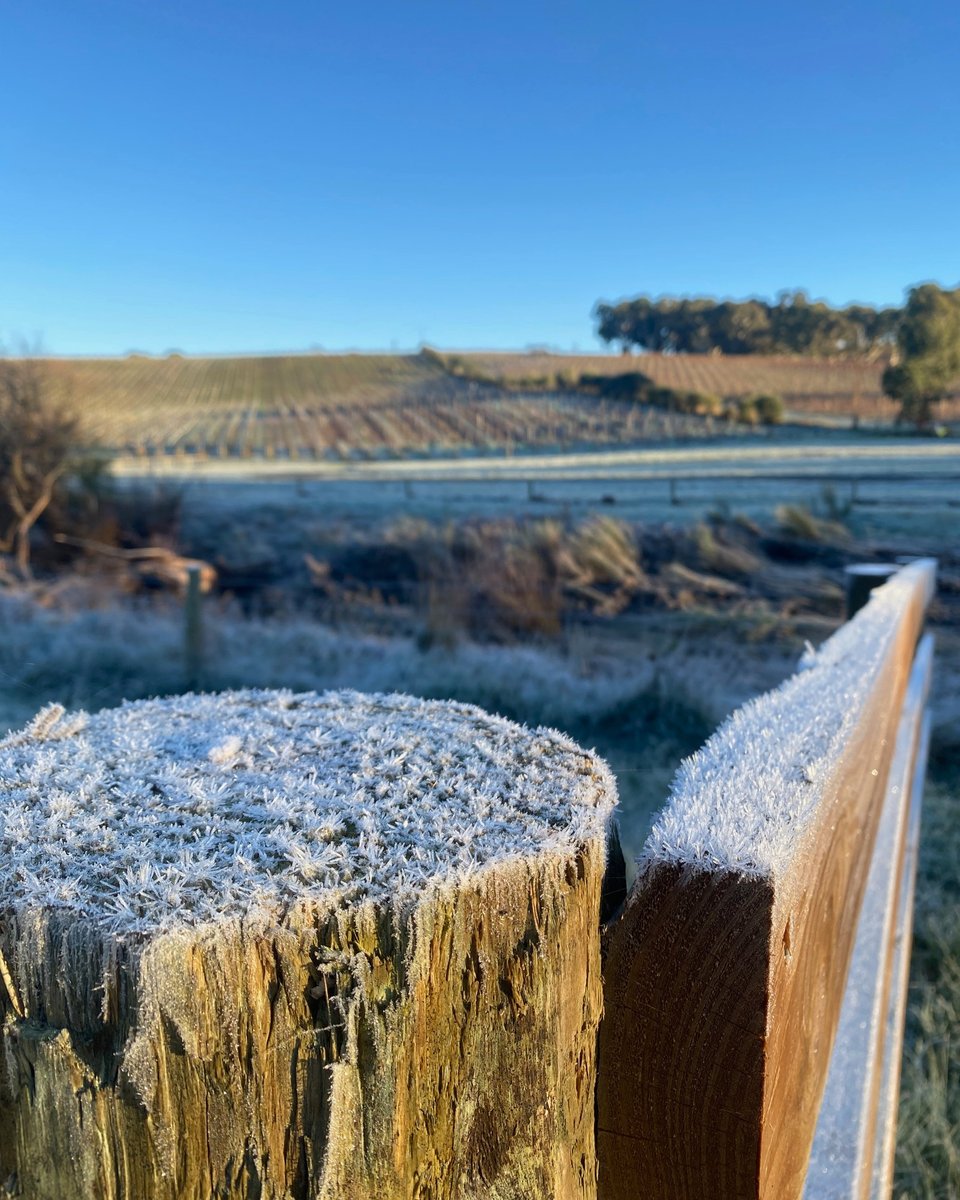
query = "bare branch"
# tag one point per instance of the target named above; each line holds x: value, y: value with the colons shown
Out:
x: 38, y: 444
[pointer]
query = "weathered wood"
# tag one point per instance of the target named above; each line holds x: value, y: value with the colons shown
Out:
x: 844, y: 1145
x: 725, y: 975
x: 366, y: 963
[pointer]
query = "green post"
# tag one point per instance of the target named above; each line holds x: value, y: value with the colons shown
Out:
x: 193, y: 643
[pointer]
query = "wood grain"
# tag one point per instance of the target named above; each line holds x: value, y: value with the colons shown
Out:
x: 842, y: 1159
x: 723, y: 991
x: 448, y: 1055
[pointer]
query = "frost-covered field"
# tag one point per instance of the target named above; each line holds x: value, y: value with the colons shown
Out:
x: 898, y: 485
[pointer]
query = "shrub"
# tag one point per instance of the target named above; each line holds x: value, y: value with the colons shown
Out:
x: 462, y: 368
x: 661, y: 397
x: 631, y: 386
x: 95, y: 507
x: 428, y: 354
x: 769, y: 409
x: 684, y: 402
x: 567, y: 380
x: 590, y: 383
x: 700, y: 404
x: 746, y: 411
x: 758, y: 409
x: 709, y: 405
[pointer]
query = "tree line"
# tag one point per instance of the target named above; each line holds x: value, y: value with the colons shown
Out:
x: 792, y: 325
x: 922, y: 338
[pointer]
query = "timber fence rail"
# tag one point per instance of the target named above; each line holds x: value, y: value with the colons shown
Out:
x: 755, y: 981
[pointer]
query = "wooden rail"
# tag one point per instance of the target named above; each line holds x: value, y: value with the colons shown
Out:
x: 783, y: 855
x: 854, y: 1136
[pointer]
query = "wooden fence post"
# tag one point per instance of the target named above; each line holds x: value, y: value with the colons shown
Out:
x: 293, y: 946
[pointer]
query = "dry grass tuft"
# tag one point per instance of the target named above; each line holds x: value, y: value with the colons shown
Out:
x: 721, y: 551
x: 492, y: 579
x: 800, y: 522
x: 600, y: 563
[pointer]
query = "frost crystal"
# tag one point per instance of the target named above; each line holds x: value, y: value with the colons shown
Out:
x: 744, y: 800
x: 176, y: 812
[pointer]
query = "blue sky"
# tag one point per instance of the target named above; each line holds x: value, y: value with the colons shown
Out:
x: 217, y: 176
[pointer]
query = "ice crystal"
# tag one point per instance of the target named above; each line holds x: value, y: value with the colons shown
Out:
x: 199, y: 808
x: 745, y: 799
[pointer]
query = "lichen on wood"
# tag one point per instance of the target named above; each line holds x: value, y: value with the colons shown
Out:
x: 275, y: 945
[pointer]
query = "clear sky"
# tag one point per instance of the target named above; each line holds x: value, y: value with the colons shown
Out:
x: 217, y: 175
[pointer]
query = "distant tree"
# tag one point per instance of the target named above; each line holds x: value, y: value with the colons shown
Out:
x: 792, y: 325
x: 875, y: 329
x: 928, y: 338
x: 39, y: 441
x: 743, y: 328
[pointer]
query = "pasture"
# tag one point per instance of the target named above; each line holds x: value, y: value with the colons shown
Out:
x: 905, y: 487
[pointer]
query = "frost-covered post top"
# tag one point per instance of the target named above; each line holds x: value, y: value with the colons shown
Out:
x: 179, y: 812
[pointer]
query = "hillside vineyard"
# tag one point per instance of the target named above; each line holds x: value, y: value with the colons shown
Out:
x: 336, y: 407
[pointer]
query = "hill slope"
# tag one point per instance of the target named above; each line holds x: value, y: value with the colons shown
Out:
x: 371, y: 406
